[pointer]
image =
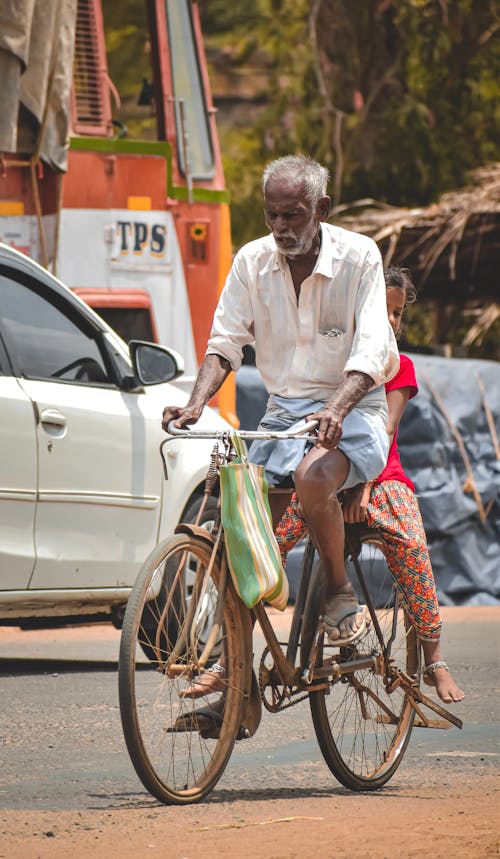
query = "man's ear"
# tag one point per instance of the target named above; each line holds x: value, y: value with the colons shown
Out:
x: 323, y: 208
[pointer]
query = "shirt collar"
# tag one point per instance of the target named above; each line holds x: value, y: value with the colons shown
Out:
x: 324, y: 263
x: 276, y: 261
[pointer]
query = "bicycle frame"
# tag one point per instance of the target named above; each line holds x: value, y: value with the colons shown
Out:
x: 309, y: 677
x: 290, y: 675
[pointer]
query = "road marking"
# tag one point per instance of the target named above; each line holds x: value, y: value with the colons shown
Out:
x: 461, y: 754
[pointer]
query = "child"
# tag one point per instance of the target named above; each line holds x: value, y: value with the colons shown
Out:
x: 389, y: 504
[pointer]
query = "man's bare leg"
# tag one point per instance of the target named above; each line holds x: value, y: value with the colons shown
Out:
x: 440, y: 677
x: 317, y: 481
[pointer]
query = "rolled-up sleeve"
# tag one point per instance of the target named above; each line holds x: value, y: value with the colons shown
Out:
x: 374, y: 349
x: 233, y: 325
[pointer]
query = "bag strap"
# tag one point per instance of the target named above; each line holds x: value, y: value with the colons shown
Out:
x: 239, y: 446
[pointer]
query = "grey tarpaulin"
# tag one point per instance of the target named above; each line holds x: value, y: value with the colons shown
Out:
x: 465, y: 550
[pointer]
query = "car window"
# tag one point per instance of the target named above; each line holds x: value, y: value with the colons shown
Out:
x: 44, y: 343
x: 132, y: 323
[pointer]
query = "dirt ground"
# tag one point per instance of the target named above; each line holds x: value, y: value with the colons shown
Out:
x: 456, y: 821
x: 445, y: 810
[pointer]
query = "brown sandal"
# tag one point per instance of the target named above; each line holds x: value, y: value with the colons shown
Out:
x: 347, y: 605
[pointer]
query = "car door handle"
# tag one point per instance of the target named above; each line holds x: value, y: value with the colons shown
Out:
x: 52, y: 418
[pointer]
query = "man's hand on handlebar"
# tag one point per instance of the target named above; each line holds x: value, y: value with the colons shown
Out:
x: 213, y: 371
x: 329, y: 428
x: 181, y: 415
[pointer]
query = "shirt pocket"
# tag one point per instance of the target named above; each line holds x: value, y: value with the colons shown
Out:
x: 333, y: 331
x: 331, y: 351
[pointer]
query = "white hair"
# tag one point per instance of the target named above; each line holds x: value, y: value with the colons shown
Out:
x: 300, y: 167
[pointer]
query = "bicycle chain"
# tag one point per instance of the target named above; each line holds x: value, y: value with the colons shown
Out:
x: 275, y: 705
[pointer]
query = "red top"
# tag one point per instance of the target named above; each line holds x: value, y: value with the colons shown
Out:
x: 404, y: 378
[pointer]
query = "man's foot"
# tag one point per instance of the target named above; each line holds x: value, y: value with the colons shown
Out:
x: 212, y: 680
x: 344, y: 619
x: 438, y: 674
x: 208, y: 720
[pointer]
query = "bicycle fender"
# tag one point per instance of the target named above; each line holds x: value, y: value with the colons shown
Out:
x: 195, y: 531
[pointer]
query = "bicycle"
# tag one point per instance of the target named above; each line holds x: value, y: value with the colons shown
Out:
x: 183, y: 615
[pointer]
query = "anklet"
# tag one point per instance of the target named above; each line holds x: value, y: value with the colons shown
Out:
x: 430, y: 669
x: 217, y: 668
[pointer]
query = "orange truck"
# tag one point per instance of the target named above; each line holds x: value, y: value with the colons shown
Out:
x: 139, y: 228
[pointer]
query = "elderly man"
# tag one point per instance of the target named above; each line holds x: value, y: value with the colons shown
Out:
x: 310, y: 297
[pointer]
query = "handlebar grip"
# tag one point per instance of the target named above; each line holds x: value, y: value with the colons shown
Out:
x: 173, y: 430
x: 303, y: 426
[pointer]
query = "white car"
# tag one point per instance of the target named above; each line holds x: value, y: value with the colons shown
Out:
x: 83, y: 496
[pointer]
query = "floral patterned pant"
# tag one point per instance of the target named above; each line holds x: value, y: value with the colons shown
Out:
x: 393, y: 511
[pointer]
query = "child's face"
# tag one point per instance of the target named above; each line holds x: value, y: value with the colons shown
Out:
x: 395, y: 297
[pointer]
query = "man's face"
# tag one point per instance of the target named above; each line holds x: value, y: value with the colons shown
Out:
x: 293, y: 221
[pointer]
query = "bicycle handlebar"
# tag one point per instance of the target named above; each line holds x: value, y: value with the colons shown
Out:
x: 297, y: 430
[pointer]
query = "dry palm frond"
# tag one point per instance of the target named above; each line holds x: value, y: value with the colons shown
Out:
x: 486, y: 317
x: 438, y: 227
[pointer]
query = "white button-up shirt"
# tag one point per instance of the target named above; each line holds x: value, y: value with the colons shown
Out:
x: 304, y: 348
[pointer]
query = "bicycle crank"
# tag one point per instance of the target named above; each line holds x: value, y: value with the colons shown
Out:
x: 274, y: 693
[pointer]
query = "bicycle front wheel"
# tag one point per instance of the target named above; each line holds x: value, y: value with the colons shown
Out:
x: 181, y: 611
x: 363, y: 723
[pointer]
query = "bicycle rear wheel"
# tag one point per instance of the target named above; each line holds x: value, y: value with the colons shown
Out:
x: 179, y: 755
x: 364, y: 722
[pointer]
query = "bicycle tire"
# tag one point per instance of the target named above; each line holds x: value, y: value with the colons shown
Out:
x: 362, y: 729
x: 179, y: 764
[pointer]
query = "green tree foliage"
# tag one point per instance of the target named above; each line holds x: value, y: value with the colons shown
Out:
x: 129, y: 63
x: 400, y: 99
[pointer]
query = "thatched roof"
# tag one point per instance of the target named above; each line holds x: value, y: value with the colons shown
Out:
x: 451, y: 247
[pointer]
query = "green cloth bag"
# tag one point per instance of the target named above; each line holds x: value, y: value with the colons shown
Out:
x: 252, y: 551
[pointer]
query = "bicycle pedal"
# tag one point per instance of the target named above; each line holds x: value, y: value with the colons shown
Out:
x: 243, y: 734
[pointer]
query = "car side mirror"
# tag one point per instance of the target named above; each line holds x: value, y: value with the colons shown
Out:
x: 154, y: 364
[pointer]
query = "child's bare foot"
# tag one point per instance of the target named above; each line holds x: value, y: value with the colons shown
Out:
x: 438, y: 674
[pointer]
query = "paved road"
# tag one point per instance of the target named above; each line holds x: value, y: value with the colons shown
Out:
x: 62, y: 746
